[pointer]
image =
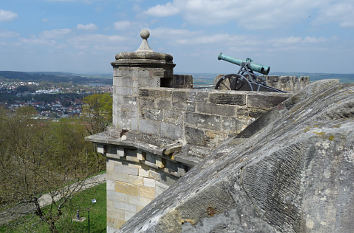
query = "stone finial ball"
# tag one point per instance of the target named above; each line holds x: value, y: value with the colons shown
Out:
x: 145, y: 34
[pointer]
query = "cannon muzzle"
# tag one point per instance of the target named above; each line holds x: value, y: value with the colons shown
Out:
x: 253, y: 66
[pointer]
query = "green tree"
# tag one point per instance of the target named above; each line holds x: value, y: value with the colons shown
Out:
x: 38, y: 157
x: 98, y: 111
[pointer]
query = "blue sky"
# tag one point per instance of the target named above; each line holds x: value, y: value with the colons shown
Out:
x: 83, y: 36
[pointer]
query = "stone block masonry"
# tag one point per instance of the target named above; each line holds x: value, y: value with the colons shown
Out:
x: 134, y: 179
x: 178, y: 81
x: 201, y: 117
x: 127, y: 79
x: 287, y: 83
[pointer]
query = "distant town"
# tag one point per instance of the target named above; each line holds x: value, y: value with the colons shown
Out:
x: 52, y: 100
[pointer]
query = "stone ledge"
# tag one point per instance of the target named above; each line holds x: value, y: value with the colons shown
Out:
x: 266, y: 101
x: 142, y: 63
x: 188, y: 155
x: 192, y: 155
x: 144, y: 55
x: 105, y: 138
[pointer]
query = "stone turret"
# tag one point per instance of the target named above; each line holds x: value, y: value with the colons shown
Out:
x: 134, y: 70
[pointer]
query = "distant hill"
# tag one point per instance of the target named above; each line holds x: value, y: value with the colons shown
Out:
x: 55, y: 77
x: 199, y: 78
x: 202, y: 79
x: 344, y: 78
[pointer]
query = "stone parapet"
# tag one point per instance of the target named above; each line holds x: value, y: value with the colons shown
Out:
x: 201, y: 117
x: 178, y: 81
x: 287, y: 83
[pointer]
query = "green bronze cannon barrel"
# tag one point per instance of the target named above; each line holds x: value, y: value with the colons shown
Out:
x: 253, y: 66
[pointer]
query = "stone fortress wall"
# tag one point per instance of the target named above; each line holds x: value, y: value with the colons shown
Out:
x: 162, y: 127
x: 287, y: 83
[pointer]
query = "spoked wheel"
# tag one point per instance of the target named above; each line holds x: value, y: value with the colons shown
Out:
x: 232, y: 82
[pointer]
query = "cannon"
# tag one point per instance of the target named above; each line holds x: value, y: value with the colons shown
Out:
x: 253, y: 66
x: 245, y: 79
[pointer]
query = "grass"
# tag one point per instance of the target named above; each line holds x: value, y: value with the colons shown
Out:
x: 81, y: 201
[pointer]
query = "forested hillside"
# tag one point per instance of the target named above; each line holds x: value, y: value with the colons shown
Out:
x: 44, y: 156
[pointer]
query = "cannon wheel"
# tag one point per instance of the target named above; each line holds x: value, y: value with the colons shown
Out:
x: 230, y: 82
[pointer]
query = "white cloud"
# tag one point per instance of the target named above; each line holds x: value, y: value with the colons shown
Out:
x: 340, y: 12
x: 257, y: 14
x: 293, y: 40
x: 97, y: 42
x: 87, y: 27
x: 8, y: 34
x: 310, y: 39
x: 38, y: 41
x: 7, y: 15
x: 163, y: 10
x: 122, y: 25
x: 49, y: 37
x: 98, y: 38
x: 210, y: 39
x: 55, y: 33
x: 206, y: 41
x: 187, y: 37
x: 84, y: 1
x: 74, y: 44
x: 252, y: 14
x: 171, y: 32
x: 84, y: 43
